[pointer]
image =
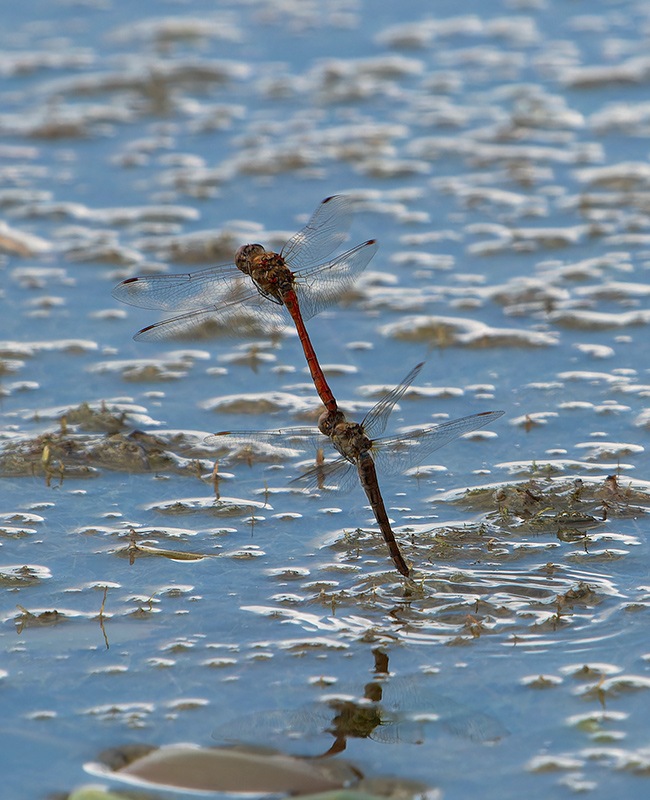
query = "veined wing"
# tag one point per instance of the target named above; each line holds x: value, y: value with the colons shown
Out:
x: 250, y: 315
x: 375, y: 420
x: 395, y: 454
x: 259, y: 443
x: 287, y: 443
x: 293, y: 438
x: 412, y: 698
x: 474, y: 725
x: 322, y: 285
x: 275, y: 726
x: 190, y: 291
x: 392, y: 731
x: 339, y: 474
x: 323, y: 234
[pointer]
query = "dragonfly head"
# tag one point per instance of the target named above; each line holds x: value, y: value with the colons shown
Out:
x: 328, y: 421
x: 246, y: 256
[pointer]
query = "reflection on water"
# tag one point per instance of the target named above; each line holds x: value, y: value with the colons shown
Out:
x: 399, y: 711
x: 390, y: 710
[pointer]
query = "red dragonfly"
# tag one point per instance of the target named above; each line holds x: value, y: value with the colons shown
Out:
x: 296, y: 279
x: 359, y: 450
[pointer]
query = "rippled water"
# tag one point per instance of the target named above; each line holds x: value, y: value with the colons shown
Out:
x: 500, y: 156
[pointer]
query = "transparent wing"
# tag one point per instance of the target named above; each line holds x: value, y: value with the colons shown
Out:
x: 268, y: 727
x: 323, y: 234
x: 339, y: 473
x: 288, y: 438
x: 189, y: 291
x: 298, y: 435
x: 322, y: 285
x: 375, y: 420
x: 391, y: 732
x: 474, y: 725
x: 269, y: 446
x: 249, y: 315
x: 412, y: 698
x: 210, y: 293
x: 395, y: 454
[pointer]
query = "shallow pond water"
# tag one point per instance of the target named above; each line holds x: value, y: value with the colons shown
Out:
x: 500, y: 156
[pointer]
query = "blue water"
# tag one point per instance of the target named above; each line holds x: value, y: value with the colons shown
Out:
x: 549, y: 324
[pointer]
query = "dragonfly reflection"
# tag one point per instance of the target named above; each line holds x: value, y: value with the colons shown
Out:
x: 393, y: 710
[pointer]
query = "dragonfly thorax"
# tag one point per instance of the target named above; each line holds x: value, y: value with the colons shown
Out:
x: 269, y: 272
x: 350, y: 440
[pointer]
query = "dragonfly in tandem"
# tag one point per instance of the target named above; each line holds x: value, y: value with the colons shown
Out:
x: 360, y: 451
x: 253, y: 293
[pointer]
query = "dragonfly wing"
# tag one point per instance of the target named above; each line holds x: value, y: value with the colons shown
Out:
x: 395, y: 454
x: 182, y: 292
x: 393, y: 731
x: 323, y: 234
x: 348, y: 479
x: 339, y: 473
x: 268, y: 727
x: 289, y: 442
x: 474, y: 725
x: 376, y: 419
x: 297, y: 436
x: 411, y: 699
x: 322, y: 285
x: 249, y: 315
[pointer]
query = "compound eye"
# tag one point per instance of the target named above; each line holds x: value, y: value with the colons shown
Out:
x: 245, y: 255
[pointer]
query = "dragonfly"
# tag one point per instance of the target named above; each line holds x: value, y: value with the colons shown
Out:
x: 256, y: 291
x: 361, y: 449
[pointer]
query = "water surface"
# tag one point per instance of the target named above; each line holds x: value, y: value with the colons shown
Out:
x: 500, y: 156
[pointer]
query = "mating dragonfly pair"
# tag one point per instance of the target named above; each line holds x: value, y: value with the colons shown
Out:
x: 260, y: 288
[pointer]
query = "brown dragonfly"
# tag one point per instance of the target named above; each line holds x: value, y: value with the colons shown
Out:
x: 360, y: 451
x: 254, y: 292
